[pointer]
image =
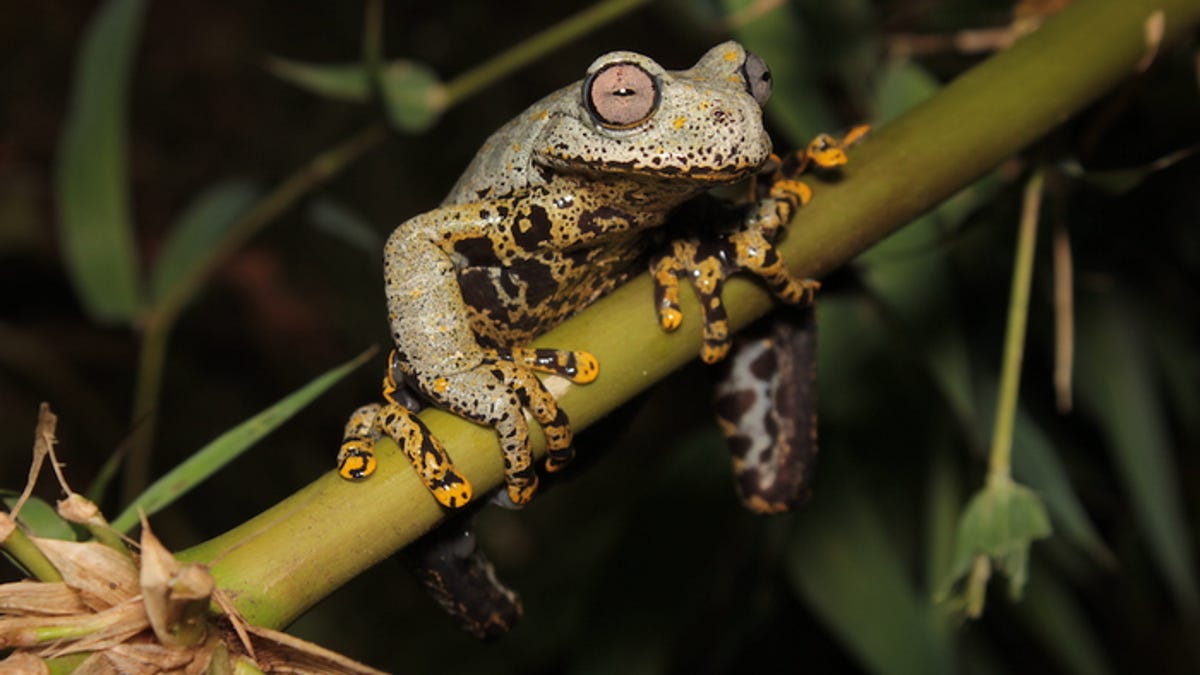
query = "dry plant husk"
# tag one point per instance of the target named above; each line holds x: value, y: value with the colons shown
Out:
x: 133, y: 608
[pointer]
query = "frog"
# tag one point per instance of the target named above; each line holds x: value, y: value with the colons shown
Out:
x: 555, y: 211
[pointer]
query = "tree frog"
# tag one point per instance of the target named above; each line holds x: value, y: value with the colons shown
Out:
x: 554, y: 212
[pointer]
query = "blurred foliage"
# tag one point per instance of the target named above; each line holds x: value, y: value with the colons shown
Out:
x: 642, y: 561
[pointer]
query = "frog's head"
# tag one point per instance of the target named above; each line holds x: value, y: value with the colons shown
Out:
x: 631, y: 116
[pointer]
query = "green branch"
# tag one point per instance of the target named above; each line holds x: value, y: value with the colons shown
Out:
x: 283, y: 561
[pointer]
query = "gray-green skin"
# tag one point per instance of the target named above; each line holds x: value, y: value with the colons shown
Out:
x: 548, y: 218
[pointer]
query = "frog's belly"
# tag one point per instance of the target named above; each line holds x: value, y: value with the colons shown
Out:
x: 511, y: 305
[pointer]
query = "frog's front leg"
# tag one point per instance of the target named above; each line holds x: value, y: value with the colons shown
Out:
x: 747, y: 246
x: 438, y: 351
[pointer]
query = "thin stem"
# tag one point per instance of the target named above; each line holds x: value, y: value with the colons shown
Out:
x: 527, y: 51
x: 1000, y: 462
x: 162, y: 318
x: 18, y: 545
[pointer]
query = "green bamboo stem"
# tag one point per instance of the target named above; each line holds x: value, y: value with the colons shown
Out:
x: 281, y: 562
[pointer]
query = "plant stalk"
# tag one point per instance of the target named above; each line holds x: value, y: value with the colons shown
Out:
x: 1000, y: 458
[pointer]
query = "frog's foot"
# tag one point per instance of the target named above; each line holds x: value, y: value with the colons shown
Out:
x: 707, y: 264
x: 578, y: 367
x: 496, y: 393
x: 707, y: 272
x: 456, y: 573
x: 356, y: 460
x: 824, y: 152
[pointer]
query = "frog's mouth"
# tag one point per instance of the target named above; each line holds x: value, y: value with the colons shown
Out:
x: 659, y: 149
x: 700, y: 174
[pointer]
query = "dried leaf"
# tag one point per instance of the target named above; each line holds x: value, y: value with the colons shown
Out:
x: 25, y: 664
x: 176, y: 595
x: 103, y: 577
x: 282, y: 653
x: 36, y: 597
x: 43, y: 445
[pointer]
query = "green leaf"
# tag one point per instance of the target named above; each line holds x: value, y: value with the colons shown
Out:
x: 842, y: 562
x: 1056, y: 619
x: 1036, y: 464
x: 412, y: 95
x: 91, y: 172
x: 343, y: 223
x: 902, y: 86
x: 337, y: 81
x: 198, y: 230
x: 999, y: 524
x: 229, y: 446
x: 1118, y: 389
x: 39, y: 517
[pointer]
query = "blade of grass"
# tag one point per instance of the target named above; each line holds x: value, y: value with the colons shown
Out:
x: 338, y: 81
x: 197, y: 231
x: 1056, y: 619
x: 1036, y: 464
x: 842, y: 563
x: 91, y: 172
x: 229, y: 446
x: 1118, y: 389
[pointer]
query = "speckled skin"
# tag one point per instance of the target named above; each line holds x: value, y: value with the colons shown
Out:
x: 551, y: 215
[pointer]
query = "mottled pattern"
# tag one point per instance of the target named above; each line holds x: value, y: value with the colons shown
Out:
x: 549, y: 217
x: 766, y: 407
x: 457, y: 575
x: 552, y: 214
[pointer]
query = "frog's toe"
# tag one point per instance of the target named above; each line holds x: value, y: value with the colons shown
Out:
x: 578, y: 366
x: 665, y: 271
x: 426, y: 454
x: 356, y: 458
x: 497, y: 393
x: 541, y: 403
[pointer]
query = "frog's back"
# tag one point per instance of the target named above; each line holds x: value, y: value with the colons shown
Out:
x: 504, y: 164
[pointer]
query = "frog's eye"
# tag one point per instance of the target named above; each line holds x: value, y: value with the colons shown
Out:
x: 621, y: 95
x: 758, y: 78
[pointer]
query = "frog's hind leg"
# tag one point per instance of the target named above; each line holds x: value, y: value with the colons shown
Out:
x: 496, y: 393
x: 766, y: 404
x: 578, y: 366
x: 356, y: 459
